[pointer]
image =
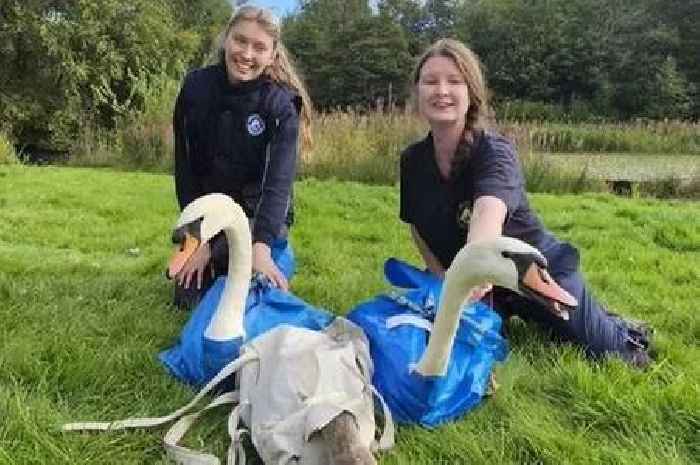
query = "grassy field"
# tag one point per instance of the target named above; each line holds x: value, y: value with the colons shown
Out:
x: 85, y: 308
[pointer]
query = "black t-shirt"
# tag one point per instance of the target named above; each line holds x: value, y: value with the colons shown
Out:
x: 440, y: 209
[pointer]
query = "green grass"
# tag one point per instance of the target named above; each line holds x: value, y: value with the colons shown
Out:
x: 85, y: 308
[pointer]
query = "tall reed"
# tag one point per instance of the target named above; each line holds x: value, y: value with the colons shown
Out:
x: 8, y: 155
x: 364, y: 146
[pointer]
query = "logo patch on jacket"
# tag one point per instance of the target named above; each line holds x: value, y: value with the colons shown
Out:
x: 256, y: 125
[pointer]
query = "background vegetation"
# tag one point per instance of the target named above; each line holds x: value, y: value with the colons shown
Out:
x: 85, y: 309
x: 76, y: 71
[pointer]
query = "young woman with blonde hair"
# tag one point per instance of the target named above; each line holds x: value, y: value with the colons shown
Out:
x: 463, y: 183
x: 237, y: 126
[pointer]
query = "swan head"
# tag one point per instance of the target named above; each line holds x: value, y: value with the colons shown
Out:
x: 513, y: 264
x: 199, y: 222
x: 502, y: 261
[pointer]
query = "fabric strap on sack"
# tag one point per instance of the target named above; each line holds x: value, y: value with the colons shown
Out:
x: 408, y: 319
x: 149, y: 422
x: 182, y: 455
x: 387, y: 440
x: 236, y: 446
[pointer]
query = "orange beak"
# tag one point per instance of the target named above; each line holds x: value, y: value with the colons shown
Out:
x: 538, y: 282
x: 183, y: 252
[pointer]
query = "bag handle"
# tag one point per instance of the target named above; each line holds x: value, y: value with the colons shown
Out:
x: 236, y: 449
x: 150, y: 422
x: 387, y: 439
x: 409, y: 319
x: 182, y: 455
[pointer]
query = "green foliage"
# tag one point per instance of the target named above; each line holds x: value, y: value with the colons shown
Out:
x: 410, y: 16
x: 671, y: 99
x: 365, y: 146
x: 681, y: 16
x: 8, y: 155
x: 204, y: 19
x: 79, y: 62
x: 642, y: 137
x: 349, y: 56
x: 593, y: 59
x: 543, y: 175
x: 359, y: 147
x: 579, y: 111
x: 85, y: 309
x: 141, y: 139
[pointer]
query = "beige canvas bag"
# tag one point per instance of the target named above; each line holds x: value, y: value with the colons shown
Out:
x: 291, y: 383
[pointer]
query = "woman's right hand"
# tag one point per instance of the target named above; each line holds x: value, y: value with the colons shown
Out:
x: 195, y: 267
x: 263, y: 263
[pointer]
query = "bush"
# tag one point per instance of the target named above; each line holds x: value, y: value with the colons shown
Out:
x: 671, y: 188
x: 141, y: 140
x: 8, y: 155
x: 542, y: 176
x: 578, y: 111
x: 67, y: 61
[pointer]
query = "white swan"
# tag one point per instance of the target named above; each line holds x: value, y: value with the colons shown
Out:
x: 199, y: 222
x: 505, y: 262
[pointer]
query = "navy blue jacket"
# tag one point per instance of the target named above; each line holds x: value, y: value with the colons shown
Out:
x: 240, y: 140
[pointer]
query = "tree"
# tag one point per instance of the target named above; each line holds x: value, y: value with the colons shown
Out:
x: 348, y: 54
x: 65, y: 63
x: 670, y: 97
x: 682, y: 17
x: 410, y: 16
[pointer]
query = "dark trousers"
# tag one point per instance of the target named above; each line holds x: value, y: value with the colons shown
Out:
x: 590, y: 325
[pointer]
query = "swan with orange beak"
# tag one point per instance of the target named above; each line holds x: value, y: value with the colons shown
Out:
x: 199, y: 222
x: 505, y: 262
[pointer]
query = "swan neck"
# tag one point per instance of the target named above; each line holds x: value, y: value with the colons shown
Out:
x: 227, y: 322
x: 456, y: 289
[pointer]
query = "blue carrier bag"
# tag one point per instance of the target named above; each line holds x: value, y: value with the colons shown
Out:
x: 196, y: 359
x: 398, y: 326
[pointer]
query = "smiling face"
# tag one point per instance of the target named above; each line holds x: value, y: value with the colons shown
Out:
x: 248, y: 50
x: 443, y: 96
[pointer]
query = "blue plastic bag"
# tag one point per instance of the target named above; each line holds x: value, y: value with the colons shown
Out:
x: 196, y: 359
x: 397, y: 327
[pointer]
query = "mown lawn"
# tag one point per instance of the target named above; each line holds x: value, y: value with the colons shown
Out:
x: 84, y: 308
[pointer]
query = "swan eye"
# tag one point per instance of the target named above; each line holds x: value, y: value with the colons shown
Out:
x: 178, y: 236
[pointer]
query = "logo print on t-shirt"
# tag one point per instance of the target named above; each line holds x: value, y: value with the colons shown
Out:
x: 256, y: 125
x: 464, y: 215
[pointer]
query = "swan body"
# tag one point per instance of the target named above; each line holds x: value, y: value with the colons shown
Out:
x: 503, y: 261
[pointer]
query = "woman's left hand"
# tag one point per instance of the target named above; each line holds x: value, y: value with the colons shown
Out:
x: 195, y: 267
x: 263, y: 263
